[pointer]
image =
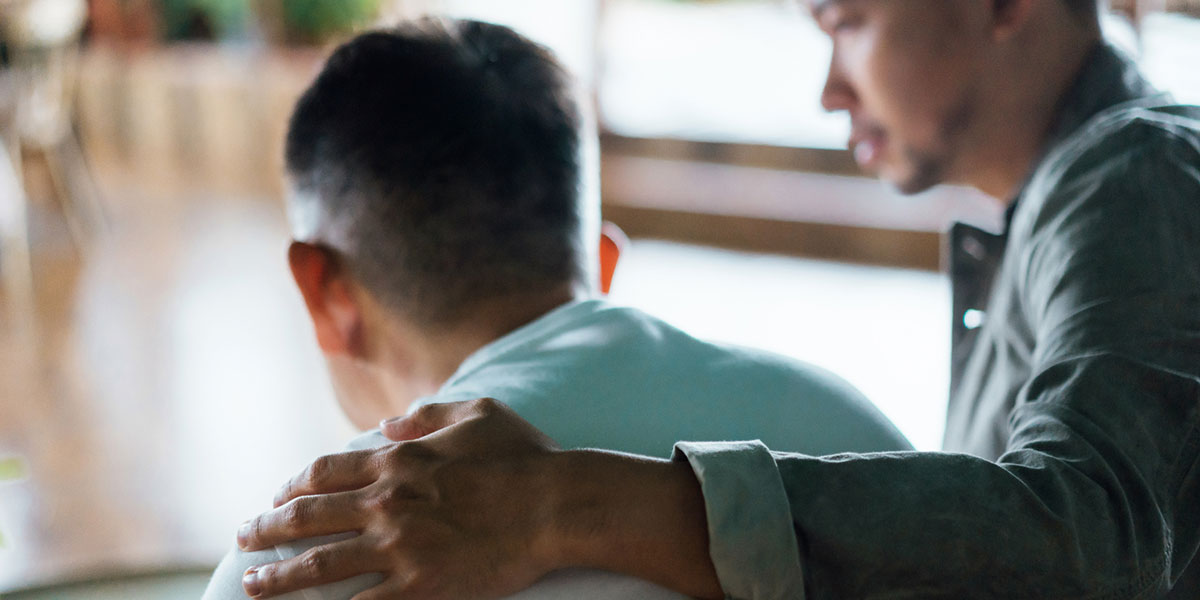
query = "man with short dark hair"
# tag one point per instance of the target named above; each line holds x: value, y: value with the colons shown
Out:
x: 446, y: 226
x: 1074, y: 416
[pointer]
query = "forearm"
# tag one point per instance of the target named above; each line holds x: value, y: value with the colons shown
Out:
x: 1072, y: 510
x: 629, y: 514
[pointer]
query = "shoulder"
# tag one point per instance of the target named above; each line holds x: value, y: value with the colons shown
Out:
x: 779, y: 370
x: 1146, y: 123
x: 1131, y: 171
x: 816, y: 410
x: 367, y: 440
x: 1137, y: 148
x: 620, y: 378
x: 643, y: 353
x: 1113, y: 214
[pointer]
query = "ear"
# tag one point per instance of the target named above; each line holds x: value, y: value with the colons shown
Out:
x: 1009, y: 17
x: 336, y: 316
x: 612, y: 243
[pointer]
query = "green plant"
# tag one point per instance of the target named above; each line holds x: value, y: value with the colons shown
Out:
x: 204, y: 19
x: 317, y: 20
x: 10, y: 468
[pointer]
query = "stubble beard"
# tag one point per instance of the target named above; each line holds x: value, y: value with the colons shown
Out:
x: 931, y: 167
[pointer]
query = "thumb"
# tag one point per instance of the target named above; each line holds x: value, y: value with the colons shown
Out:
x: 429, y: 419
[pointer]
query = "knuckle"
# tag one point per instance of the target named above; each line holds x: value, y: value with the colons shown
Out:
x: 406, y: 452
x: 314, y: 563
x: 389, y: 543
x: 253, y: 532
x: 390, y: 457
x: 295, y: 513
x: 386, y: 500
x: 287, y: 491
x: 390, y: 498
x: 425, y: 414
x: 488, y: 406
x: 393, y: 452
x: 319, y: 470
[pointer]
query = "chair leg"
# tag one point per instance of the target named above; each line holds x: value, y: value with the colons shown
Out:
x: 16, y: 261
x: 76, y: 190
x: 60, y: 180
x: 86, y: 194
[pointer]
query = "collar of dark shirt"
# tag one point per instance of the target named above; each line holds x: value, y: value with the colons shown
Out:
x: 1108, y: 77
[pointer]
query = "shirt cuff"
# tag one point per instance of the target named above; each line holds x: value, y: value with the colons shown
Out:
x: 752, y: 541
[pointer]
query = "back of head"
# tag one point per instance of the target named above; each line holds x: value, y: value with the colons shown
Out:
x: 440, y: 161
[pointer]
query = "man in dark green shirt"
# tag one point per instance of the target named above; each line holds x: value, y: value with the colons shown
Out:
x: 1074, y: 422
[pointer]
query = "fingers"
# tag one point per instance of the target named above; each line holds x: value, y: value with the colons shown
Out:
x: 318, y: 565
x: 329, y: 474
x: 433, y: 417
x: 303, y: 517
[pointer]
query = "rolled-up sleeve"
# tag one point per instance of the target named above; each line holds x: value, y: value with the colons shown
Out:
x: 749, y: 518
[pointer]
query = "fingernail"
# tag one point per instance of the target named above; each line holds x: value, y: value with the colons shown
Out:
x: 250, y: 582
x: 243, y: 535
x: 386, y: 422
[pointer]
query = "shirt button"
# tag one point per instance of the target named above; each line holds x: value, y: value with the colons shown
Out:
x: 973, y: 318
x: 973, y: 247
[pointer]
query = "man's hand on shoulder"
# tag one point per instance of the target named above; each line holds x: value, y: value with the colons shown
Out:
x: 474, y: 502
x: 453, y: 514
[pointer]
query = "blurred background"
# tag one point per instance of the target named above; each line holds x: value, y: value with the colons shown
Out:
x: 158, y: 377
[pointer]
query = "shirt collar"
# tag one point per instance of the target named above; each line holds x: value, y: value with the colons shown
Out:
x: 547, y: 324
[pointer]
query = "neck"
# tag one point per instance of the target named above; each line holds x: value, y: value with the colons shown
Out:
x: 1023, y: 97
x: 423, y: 358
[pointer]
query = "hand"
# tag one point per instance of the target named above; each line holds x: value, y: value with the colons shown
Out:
x: 480, y: 504
x: 452, y: 514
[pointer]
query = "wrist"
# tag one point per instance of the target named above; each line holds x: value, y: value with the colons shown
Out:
x: 574, y: 511
x: 627, y: 514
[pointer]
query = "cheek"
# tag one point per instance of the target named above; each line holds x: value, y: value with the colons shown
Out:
x: 919, y: 80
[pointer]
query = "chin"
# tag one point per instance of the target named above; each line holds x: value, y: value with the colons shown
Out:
x: 912, y: 187
x: 914, y: 180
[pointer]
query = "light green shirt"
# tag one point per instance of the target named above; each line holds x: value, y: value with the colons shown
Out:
x: 593, y: 375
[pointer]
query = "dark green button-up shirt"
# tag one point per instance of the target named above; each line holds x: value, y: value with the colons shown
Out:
x: 1074, y: 422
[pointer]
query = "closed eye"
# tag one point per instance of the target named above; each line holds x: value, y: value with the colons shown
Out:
x: 846, y: 24
x: 838, y: 17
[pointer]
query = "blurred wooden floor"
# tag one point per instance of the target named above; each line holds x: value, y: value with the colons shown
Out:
x: 171, y: 385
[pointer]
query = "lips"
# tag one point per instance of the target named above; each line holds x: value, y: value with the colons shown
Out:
x: 867, y: 142
x: 866, y: 152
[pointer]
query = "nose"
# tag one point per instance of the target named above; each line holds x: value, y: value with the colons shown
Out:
x: 838, y: 94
